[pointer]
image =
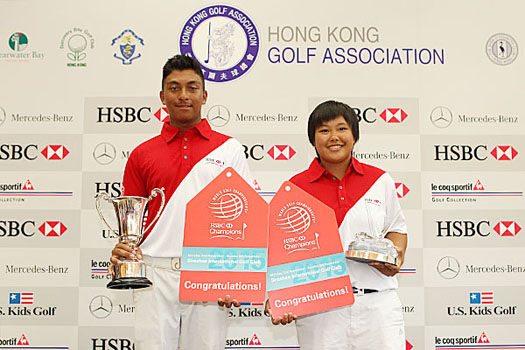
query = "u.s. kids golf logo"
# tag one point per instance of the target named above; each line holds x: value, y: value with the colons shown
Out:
x: 223, y: 39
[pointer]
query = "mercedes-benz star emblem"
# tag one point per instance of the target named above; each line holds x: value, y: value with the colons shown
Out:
x: 101, y: 306
x: 104, y: 153
x: 448, y: 267
x: 441, y: 117
x: 2, y: 116
x: 218, y: 115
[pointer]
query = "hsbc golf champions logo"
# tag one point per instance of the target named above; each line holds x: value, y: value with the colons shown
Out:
x: 295, y: 218
x: 223, y: 39
x: 227, y: 205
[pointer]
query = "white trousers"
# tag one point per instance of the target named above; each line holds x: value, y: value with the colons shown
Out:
x: 373, y: 322
x: 163, y: 322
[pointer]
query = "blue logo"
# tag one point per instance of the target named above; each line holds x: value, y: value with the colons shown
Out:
x: 223, y: 39
x: 127, y: 46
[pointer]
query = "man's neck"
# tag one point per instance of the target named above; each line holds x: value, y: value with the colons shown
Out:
x: 184, y: 126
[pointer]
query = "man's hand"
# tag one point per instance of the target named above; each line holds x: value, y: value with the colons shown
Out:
x: 121, y: 251
x: 287, y: 318
x: 228, y: 303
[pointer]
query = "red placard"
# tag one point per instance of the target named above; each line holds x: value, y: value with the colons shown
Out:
x: 225, y: 242
x: 306, y: 264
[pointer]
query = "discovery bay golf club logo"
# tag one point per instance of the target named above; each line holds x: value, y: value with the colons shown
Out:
x: 295, y: 219
x: 77, y: 41
x: 223, y: 39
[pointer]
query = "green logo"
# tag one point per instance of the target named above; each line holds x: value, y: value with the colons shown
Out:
x: 18, y: 42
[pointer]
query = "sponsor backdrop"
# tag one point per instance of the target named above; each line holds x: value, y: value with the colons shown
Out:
x: 439, y: 104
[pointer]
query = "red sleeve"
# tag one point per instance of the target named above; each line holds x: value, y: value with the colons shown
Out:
x: 134, y: 184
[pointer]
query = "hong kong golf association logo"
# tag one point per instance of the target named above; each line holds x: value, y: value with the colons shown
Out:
x: 502, y: 49
x: 223, y: 39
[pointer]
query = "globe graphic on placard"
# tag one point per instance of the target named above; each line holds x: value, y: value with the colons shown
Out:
x: 228, y: 206
x: 295, y: 220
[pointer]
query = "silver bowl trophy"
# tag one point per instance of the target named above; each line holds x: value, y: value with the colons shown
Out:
x: 373, y: 247
x: 369, y: 248
x: 130, y: 216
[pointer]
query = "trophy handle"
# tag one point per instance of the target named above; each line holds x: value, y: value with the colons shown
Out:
x: 154, y: 194
x: 98, y: 197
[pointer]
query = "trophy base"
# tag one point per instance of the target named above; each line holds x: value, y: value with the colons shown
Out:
x: 131, y: 274
x: 368, y: 256
x: 129, y: 283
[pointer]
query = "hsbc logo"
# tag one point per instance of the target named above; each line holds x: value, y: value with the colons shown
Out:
x: 504, y: 152
x: 469, y: 153
x: 393, y: 115
x: 162, y: 114
x: 52, y: 228
x: 389, y: 115
x: 123, y: 114
x: 482, y: 228
x: 14, y: 228
x: 112, y: 188
x: 281, y: 152
x: 277, y: 152
x: 507, y: 228
x: 30, y: 152
x: 401, y: 189
x: 55, y: 152
x: 112, y: 344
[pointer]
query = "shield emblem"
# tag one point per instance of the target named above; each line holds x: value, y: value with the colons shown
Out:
x: 127, y: 50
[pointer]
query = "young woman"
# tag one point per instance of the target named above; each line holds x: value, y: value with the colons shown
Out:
x: 361, y: 196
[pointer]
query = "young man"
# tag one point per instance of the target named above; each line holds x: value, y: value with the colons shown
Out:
x: 183, y: 159
x: 354, y: 191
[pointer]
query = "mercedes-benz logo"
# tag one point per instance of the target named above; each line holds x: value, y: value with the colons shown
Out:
x: 448, y: 267
x: 101, y: 306
x: 218, y: 115
x: 104, y: 153
x: 441, y: 117
x: 2, y: 115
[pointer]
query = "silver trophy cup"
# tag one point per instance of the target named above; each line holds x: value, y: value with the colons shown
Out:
x: 130, y: 216
x: 372, y: 246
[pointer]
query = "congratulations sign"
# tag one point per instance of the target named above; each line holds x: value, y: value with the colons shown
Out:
x: 306, y: 264
x: 225, y: 242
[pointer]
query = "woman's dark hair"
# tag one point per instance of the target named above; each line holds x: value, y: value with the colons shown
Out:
x: 329, y: 110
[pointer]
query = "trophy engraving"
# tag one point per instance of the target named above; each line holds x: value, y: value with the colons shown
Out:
x: 130, y: 212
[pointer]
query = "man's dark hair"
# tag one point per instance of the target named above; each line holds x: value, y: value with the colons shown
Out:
x: 182, y: 62
x: 329, y: 110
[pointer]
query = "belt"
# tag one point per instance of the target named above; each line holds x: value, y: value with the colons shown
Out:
x: 163, y: 263
x: 361, y: 291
